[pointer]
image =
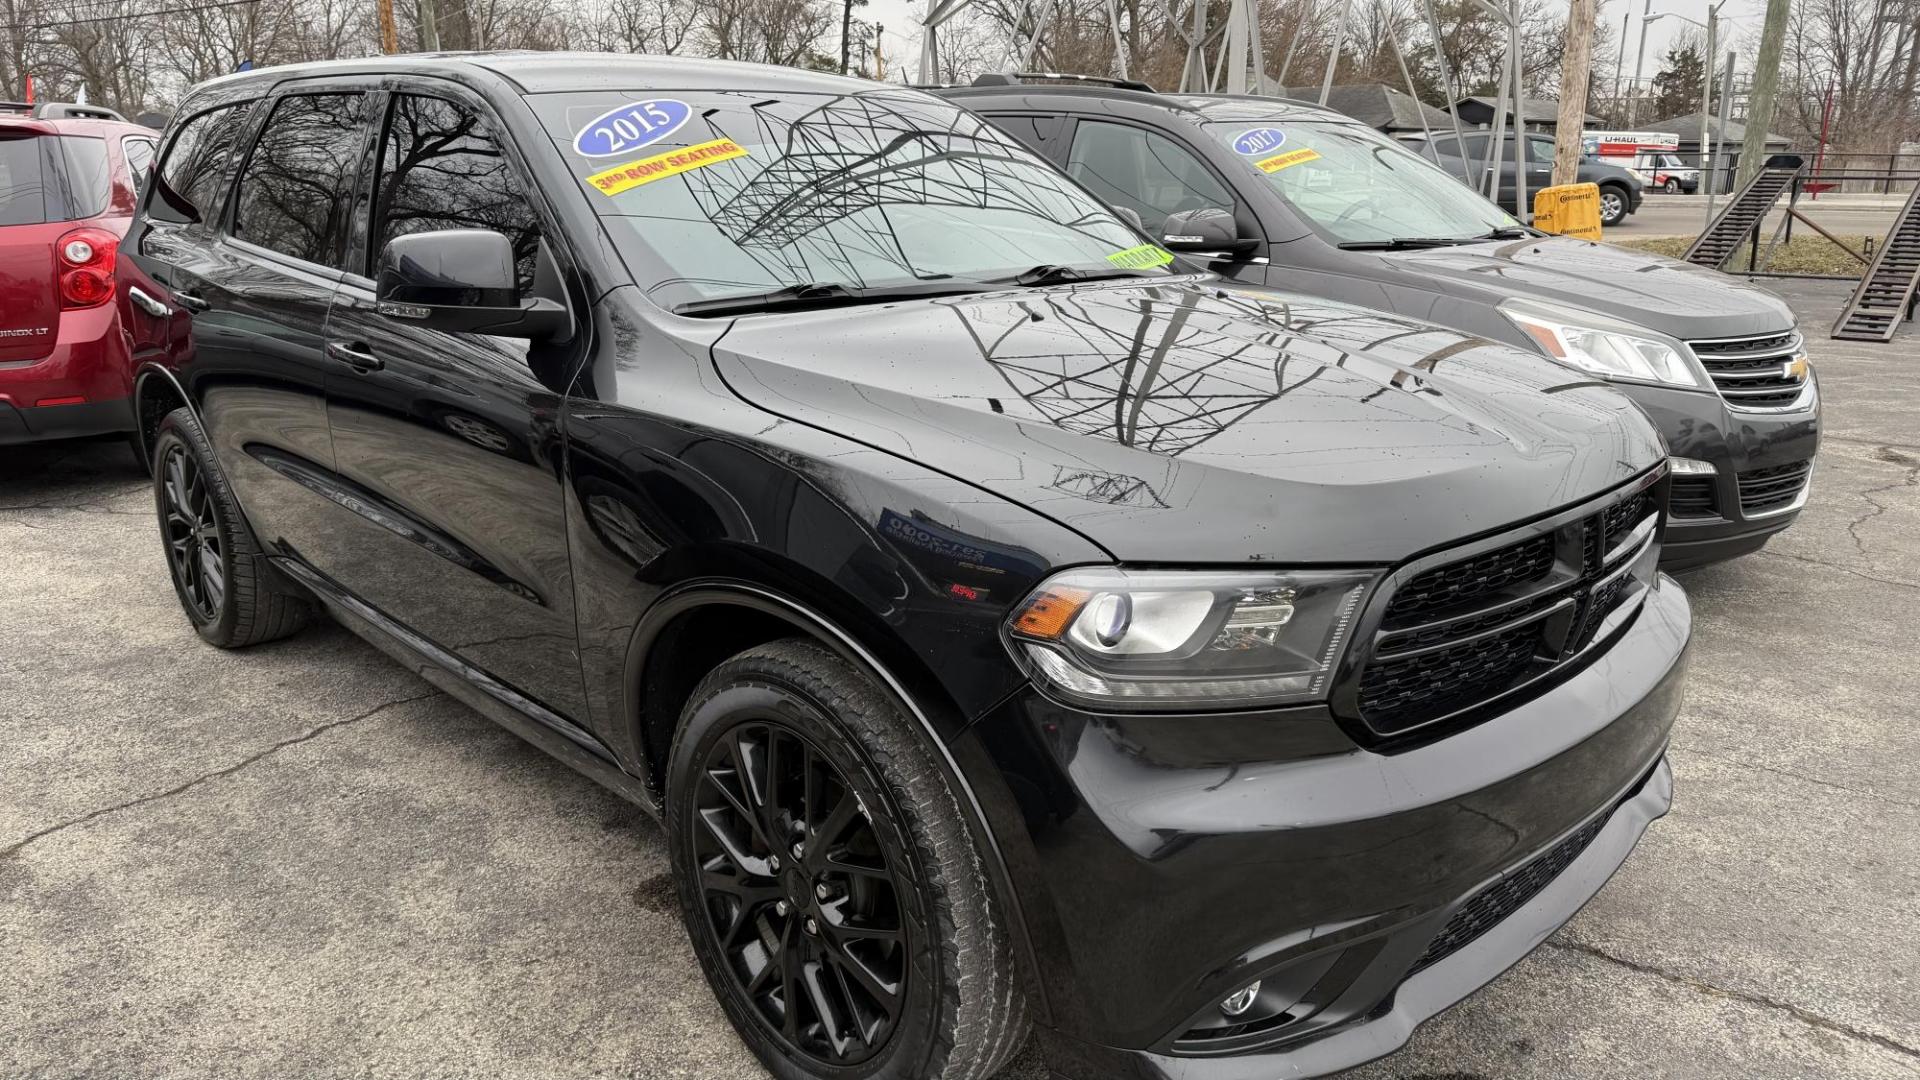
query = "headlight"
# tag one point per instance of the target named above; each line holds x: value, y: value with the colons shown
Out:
x: 1601, y: 346
x: 1140, y: 639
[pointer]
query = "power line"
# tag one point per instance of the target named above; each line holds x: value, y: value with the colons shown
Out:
x: 143, y: 14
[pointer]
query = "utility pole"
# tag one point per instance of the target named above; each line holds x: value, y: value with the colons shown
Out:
x: 428, y: 13
x: 1620, y: 64
x: 1639, y: 58
x: 1766, y: 82
x: 1574, y: 62
x: 879, y: 58
x: 389, y: 36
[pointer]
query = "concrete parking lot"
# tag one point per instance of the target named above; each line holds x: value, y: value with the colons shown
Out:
x: 300, y: 861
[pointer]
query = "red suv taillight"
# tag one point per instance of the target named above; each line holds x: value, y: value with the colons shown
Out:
x: 86, y: 258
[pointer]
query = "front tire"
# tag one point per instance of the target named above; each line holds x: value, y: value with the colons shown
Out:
x: 1671, y: 187
x: 1613, y: 206
x: 230, y: 594
x: 833, y: 889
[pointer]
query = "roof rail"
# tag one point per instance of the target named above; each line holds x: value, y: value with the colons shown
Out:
x: 67, y: 110
x: 1015, y: 78
x: 15, y: 107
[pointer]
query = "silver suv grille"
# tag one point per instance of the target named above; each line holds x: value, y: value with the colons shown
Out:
x: 1765, y: 372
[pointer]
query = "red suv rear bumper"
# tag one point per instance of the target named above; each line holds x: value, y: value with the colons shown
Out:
x: 85, y: 383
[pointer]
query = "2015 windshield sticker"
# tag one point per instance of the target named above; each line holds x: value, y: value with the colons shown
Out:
x: 1257, y: 141
x: 660, y: 166
x: 1144, y: 257
x: 1287, y: 160
x: 630, y: 127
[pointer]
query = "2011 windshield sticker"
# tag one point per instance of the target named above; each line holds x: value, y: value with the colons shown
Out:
x: 660, y: 166
x: 630, y: 127
x: 1255, y: 142
x: 1144, y: 257
x: 1287, y: 160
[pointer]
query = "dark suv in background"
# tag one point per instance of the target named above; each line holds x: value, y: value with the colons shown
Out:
x: 1468, y: 157
x: 1007, y: 623
x: 1299, y: 198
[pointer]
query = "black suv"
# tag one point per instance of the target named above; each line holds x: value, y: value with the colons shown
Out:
x: 1008, y: 624
x: 1297, y: 197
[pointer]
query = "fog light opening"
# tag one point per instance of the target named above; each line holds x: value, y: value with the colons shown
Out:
x: 1684, y: 466
x: 1236, y: 1004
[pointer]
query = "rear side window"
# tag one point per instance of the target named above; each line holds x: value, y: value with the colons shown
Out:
x: 442, y: 168
x: 296, y: 191
x: 1145, y: 172
x: 139, y: 158
x: 192, y: 175
x: 52, y: 178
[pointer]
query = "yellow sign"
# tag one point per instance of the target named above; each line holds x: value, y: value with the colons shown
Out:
x: 1569, y: 210
x: 1287, y: 160
x: 660, y: 166
x: 1143, y: 257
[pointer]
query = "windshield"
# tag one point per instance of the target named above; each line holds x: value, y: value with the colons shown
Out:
x: 1359, y: 186
x: 736, y: 194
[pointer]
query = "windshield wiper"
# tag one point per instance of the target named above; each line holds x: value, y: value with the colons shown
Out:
x: 1053, y: 274
x: 1506, y: 232
x: 819, y: 294
x: 1404, y: 243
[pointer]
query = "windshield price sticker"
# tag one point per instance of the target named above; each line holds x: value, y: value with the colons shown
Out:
x: 1258, y: 141
x: 660, y: 166
x: 630, y: 127
x: 1144, y: 257
x: 1287, y: 160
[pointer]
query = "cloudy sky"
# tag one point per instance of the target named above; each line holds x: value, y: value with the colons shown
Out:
x: 1739, y: 18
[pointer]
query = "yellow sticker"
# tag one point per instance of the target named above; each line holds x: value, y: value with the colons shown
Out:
x: 1141, y: 258
x: 660, y: 166
x: 1287, y: 160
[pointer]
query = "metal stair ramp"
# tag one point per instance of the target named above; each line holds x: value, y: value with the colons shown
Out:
x: 1742, y: 216
x: 1886, y: 291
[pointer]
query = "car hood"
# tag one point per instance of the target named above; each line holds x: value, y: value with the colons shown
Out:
x: 1186, y: 422
x: 1662, y: 294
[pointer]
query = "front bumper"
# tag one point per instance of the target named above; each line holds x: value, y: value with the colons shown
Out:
x: 1699, y: 425
x: 1175, y: 859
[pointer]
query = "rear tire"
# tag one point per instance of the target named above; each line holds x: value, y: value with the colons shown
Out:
x: 1613, y: 205
x: 790, y: 767
x: 225, y: 585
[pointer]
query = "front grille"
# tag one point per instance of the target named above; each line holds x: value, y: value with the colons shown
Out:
x: 1755, y: 372
x: 1504, y: 897
x: 1776, y: 488
x: 1458, y: 633
x: 1691, y: 497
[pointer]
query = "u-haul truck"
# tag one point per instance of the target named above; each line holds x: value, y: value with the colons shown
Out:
x: 1650, y: 154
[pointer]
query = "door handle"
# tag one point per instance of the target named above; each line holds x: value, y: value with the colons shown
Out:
x: 145, y: 302
x: 191, y: 302
x: 355, y: 356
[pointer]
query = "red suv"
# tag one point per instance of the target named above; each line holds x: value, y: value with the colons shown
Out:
x: 68, y: 176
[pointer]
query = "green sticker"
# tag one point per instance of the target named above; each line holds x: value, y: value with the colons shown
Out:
x: 1144, y: 257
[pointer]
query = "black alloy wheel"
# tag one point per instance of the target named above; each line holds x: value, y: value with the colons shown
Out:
x: 799, y: 893
x: 195, y: 546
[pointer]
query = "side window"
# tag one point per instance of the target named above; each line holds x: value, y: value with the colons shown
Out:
x: 1540, y: 151
x: 89, y: 179
x: 192, y: 176
x: 1476, y: 147
x: 1034, y: 131
x: 139, y: 157
x: 1142, y: 171
x: 442, y: 168
x: 296, y: 191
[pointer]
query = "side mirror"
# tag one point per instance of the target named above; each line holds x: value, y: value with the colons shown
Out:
x: 1206, y: 231
x: 462, y: 281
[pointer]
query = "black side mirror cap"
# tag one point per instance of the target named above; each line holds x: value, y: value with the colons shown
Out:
x: 1205, y: 231
x: 462, y: 281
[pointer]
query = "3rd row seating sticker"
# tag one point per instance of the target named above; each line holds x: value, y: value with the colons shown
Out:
x: 630, y: 127
x: 660, y: 166
x: 1144, y: 257
x: 1287, y: 160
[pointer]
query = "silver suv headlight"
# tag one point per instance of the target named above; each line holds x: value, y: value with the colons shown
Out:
x: 1139, y: 639
x: 1604, y: 347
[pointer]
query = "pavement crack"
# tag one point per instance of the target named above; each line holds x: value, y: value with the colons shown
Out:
x: 1911, y: 479
x: 1811, y: 1019
x: 312, y: 733
x: 1776, y: 770
x: 1896, y: 582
